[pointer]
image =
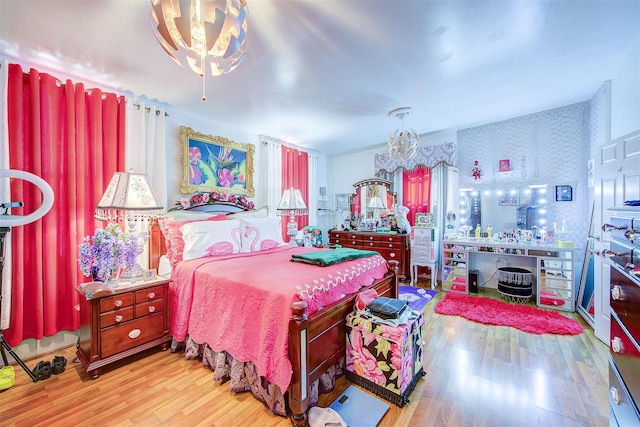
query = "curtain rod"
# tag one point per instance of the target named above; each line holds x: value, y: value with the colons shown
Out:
x: 148, y: 109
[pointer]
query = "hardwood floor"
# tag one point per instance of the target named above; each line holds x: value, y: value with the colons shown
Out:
x: 477, y: 375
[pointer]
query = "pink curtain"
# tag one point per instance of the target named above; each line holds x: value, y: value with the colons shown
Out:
x: 416, y: 191
x: 74, y: 140
x: 295, y: 173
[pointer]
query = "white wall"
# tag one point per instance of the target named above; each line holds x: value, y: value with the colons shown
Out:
x: 625, y: 96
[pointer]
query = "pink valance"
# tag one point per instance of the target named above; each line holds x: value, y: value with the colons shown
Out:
x: 428, y: 156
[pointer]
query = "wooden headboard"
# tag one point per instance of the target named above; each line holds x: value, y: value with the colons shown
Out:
x: 157, y: 247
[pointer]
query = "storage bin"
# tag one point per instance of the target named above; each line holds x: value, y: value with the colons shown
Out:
x: 385, y: 359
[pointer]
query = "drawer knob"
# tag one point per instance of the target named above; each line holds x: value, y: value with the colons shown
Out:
x: 151, y: 295
x: 152, y: 309
x: 615, y: 396
x: 119, y: 318
x: 118, y: 303
x: 134, y: 333
x: 616, y: 292
x: 616, y: 345
x: 392, y: 255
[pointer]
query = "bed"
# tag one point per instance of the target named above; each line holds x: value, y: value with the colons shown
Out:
x: 306, y: 313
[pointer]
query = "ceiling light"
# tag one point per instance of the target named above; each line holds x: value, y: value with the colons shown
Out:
x: 201, y: 33
x: 403, y: 145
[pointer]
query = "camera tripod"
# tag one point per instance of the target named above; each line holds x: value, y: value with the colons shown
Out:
x: 3, y: 343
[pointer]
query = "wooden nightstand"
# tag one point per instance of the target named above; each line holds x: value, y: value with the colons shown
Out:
x: 116, y: 324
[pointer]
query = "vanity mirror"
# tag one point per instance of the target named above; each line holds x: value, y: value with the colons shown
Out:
x: 503, y: 209
x: 372, y: 196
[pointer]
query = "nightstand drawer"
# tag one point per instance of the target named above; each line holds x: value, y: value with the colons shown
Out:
x: 116, y: 301
x: 130, y: 334
x: 111, y: 318
x: 149, y: 294
x: 146, y: 308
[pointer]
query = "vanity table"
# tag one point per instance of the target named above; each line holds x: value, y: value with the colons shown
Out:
x: 554, y: 267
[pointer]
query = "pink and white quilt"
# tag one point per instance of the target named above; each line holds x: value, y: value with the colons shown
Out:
x: 240, y: 303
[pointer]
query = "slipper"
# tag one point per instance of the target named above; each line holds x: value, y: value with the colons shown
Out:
x: 42, y: 371
x: 58, y: 364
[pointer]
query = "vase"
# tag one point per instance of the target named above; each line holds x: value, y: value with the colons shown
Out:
x: 113, y: 278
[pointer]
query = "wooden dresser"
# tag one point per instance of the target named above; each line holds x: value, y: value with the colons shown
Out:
x: 116, y: 324
x: 624, y: 300
x: 393, y: 247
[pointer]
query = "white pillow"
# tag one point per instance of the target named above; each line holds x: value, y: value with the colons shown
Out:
x: 259, y: 234
x: 263, y: 212
x: 210, y: 238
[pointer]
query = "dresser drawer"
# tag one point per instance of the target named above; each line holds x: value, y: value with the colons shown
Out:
x: 347, y: 243
x: 621, y: 404
x: 149, y: 294
x: 146, y: 308
x: 625, y: 301
x: 343, y: 235
x: 111, y: 318
x: 116, y: 302
x: 382, y: 245
x: 130, y: 334
x: 422, y: 257
x: 626, y: 356
x: 390, y: 255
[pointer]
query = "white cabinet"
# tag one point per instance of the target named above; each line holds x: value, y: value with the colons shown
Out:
x: 424, y: 252
x: 556, y: 283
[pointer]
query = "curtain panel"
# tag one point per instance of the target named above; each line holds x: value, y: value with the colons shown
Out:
x: 74, y: 139
x: 295, y: 174
x: 416, y: 191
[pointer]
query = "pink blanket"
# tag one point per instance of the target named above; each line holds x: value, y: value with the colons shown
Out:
x: 241, y: 303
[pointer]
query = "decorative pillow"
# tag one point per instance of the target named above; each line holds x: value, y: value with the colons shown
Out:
x: 173, y: 236
x: 210, y: 238
x: 259, y: 234
x: 263, y: 212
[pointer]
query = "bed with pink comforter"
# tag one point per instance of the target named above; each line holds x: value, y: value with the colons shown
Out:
x: 241, y: 303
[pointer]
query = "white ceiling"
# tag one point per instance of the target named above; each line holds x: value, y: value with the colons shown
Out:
x: 323, y: 75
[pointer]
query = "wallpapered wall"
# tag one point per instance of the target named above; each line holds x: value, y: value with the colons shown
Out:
x: 551, y: 147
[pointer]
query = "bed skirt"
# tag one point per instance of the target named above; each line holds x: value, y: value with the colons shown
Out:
x: 243, y: 376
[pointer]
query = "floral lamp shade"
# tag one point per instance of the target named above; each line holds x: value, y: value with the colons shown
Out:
x: 131, y: 194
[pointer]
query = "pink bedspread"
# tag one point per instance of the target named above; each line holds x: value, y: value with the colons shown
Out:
x: 241, y: 303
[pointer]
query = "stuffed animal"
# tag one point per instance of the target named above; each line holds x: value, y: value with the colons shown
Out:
x: 401, y: 219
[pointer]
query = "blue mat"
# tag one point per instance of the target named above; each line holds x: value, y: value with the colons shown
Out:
x: 418, y: 297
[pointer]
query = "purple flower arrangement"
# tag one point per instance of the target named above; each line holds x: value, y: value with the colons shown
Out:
x: 209, y: 198
x: 107, y: 251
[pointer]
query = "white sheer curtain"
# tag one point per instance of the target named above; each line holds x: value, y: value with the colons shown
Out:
x: 146, y: 152
x: 313, y: 189
x: 5, y: 195
x: 273, y: 167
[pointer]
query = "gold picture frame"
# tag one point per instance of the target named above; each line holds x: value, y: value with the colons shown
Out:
x: 214, y: 163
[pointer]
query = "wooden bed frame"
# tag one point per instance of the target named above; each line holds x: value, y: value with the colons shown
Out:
x: 316, y: 342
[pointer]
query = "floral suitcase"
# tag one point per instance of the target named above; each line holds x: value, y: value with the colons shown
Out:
x: 384, y: 358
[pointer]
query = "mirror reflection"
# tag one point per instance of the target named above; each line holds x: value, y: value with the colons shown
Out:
x: 371, y: 199
x: 504, y: 209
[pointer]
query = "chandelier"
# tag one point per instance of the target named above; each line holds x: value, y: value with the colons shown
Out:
x: 201, y: 33
x: 403, y: 145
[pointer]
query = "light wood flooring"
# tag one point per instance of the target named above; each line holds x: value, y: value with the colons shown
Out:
x: 477, y: 375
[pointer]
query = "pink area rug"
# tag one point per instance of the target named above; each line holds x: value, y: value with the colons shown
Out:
x: 494, y: 312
